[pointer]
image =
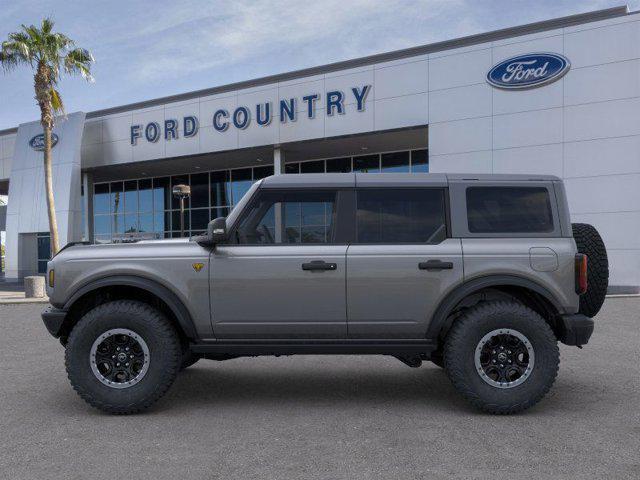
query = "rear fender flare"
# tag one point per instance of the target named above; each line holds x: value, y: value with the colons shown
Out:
x: 439, y: 320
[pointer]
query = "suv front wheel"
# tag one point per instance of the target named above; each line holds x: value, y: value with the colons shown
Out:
x: 501, y: 356
x: 122, y: 356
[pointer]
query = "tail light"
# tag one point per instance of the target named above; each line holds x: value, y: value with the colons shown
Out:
x: 581, y: 273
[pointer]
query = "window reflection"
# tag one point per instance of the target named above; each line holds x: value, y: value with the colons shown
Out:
x: 101, y: 199
x: 366, y: 164
x: 241, y: 180
x: 145, y: 195
x: 397, y: 162
x: 145, y: 208
x: 131, y: 196
x: 117, y: 190
x: 420, y: 161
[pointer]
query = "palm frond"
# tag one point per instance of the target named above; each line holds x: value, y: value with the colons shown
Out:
x: 47, y: 25
x: 79, y: 60
x: 47, y: 52
x: 56, y: 101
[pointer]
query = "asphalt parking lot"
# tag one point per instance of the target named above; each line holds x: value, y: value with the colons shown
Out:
x: 321, y: 417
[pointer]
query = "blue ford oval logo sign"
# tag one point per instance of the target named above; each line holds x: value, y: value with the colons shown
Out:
x: 528, y: 71
x: 37, y: 142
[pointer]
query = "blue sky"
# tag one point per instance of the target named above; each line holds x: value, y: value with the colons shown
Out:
x: 147, y: 49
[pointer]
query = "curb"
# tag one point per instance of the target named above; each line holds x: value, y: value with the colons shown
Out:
x: 22, y: 301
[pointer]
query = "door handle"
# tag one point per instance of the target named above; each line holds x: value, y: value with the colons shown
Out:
x: 319, y: 265
x: 435, y: 265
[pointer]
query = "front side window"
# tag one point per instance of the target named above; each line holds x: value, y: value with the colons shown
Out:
x: 402, y: 215
x: 509, y: 210
x: 289, y: 217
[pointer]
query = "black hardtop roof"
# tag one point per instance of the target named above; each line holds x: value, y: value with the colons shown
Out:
x: 327, y: 180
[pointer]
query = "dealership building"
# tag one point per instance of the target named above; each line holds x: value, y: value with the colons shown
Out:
x: 558, y: 97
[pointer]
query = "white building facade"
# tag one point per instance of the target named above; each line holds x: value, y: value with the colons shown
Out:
x: 563, y: 99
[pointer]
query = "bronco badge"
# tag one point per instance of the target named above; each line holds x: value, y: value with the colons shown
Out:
x: 198, y: 266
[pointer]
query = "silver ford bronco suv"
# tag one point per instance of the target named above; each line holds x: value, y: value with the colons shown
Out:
x: 480, y: 274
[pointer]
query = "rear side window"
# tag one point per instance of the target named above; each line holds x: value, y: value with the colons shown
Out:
x: 403, y: 215
x: 509, y: 210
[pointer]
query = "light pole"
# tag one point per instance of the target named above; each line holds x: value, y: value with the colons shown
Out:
x: 181, y: 192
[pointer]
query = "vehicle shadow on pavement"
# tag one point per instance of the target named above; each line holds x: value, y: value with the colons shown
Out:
x: 216, y: 385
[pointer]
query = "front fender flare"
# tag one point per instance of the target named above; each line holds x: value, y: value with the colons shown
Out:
x: 167, y: 296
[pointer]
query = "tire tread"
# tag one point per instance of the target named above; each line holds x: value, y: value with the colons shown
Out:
x: 457, y: 336
x: 164, y: 329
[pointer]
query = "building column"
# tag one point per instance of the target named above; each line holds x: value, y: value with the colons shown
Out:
x: 278, y: 161
x: 87, y: 206
x: 278, y: 169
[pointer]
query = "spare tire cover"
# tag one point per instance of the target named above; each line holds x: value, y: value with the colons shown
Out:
x: 589, y: 242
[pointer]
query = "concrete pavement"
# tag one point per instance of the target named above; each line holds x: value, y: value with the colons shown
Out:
x: 321, y: 417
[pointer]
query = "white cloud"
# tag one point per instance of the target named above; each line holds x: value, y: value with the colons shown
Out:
x: 241, y: 31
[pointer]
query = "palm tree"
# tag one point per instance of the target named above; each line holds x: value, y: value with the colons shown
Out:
x: 47, y: 53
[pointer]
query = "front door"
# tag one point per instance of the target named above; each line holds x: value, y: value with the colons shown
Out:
x: 401, y: 262
x: 282, y: 274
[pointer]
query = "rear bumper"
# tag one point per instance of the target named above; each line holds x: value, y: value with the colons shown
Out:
x: 53, y: 319
x: 575, y: 329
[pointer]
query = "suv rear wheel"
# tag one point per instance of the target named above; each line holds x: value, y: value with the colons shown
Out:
x: 501, y: 356
x: 122, y: 356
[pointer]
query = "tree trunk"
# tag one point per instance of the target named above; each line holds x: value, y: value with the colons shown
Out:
x: 48, y: 179
x: 42, y: 84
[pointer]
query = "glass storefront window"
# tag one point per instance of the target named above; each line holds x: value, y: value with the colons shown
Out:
x: 241, y: 181
x: 175, y: 222
x: 366, y: 164
x: 145, y: 208
x: 292, y: 168
x: 130, y: 223
x: 160, y: 223
x: 44, y: 251
x: 420, y: 161
x: 261, y: 172
x: 395, y: 162
x: 200, y: 190
x: 145, y: 223
x: 145, y: 195
x: 117, y: 190
x: 102, y: 225
x: 219, y: 212
x: 199, y: 220
x: 131, y: 196
x: 220, y: 189
x: 101, y: 198
x: 161, y: 194
x: 317, y: 166
x: 117, y: 225
x: 339, y: 165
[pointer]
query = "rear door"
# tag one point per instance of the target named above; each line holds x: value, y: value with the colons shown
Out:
x: 283, y: 275
x: 401, y: 263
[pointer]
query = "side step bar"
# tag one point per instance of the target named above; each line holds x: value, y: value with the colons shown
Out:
x: 315, y: 347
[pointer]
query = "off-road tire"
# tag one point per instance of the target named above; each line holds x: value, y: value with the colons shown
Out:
x: 164, y: 352
x: 188, y: 359
x: 437, y: 359
x: 464, y: 337
x: 590, y: 243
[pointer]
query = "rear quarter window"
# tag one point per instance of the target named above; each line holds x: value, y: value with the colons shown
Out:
x: 509, y: 210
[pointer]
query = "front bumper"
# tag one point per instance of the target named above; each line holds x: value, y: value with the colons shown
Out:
x: 575, y: 329
x: 53, y: 319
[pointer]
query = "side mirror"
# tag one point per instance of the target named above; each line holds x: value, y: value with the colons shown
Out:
x: 216, y: 233
x: 217, y: 230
